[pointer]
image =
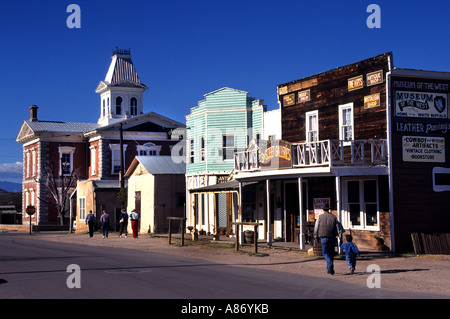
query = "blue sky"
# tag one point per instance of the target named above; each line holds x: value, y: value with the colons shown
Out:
x: 183, y: 49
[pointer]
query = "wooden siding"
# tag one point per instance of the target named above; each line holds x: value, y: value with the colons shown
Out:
x: 417, y: 208
x: 330, y: 89
x: 225, y: 111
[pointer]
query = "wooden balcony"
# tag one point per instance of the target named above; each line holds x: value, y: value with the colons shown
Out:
x: 326, y: 153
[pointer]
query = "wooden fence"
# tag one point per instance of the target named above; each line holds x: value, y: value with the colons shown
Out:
x: 431, y: 243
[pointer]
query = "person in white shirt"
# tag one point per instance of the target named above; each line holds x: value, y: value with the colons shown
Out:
x: 134, y: 218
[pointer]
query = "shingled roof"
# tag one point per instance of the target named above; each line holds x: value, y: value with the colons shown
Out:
x: 121, y: 72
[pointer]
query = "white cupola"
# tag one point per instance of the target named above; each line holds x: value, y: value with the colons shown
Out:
x: 121, y: 92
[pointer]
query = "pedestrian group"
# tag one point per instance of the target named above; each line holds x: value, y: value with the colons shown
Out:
x: 326, y: 230
x: 105, y: 221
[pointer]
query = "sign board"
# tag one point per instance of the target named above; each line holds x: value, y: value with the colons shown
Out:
x: 423, y: 149
x: 304, y: 96
x: 422, y: 127
x: 421, y: 104
x: 319, y: 205
x: 374, y: 78
x: 289, y: 99
x: 276, y: 155
x: 372, y: 100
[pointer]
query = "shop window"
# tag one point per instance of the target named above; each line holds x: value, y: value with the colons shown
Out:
x: 361, y: 204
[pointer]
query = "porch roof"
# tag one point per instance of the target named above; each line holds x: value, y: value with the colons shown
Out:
x: 230, y: 186
x: 221, y: 187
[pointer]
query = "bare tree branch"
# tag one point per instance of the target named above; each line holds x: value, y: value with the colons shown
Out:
x: 59, y: 188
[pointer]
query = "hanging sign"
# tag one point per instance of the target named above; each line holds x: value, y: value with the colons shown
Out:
x: 276, y: 155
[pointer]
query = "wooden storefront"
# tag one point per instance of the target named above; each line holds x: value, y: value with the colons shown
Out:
x: 420, y: 154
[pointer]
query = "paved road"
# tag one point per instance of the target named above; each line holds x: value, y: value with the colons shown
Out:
x: 31, y: 268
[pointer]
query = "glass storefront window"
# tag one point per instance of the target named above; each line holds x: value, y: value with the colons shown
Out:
x: 362, y: 204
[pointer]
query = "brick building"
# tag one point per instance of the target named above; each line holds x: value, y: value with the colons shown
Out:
x: 92, y: 150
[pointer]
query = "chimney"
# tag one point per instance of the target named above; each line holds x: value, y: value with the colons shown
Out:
x: 33, y: 113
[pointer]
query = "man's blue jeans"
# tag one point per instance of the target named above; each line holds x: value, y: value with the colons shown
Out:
x: 105, y: 229
x: 328, y: 244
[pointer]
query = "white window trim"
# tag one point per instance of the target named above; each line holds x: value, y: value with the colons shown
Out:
x: 116, y: 147
x: 341, y: 122
x: 81, y: 215
x: 149, y: 147
x: 27, y: 166
x: 33, y: 162
x: 308, y: 129
x: 346, y: 212
x: 64, y: 150
x: 440, y: 170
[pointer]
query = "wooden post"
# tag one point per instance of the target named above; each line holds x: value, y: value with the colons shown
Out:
x: 255, y: 225
x: 182, y: 231
x: 182, y: 219
x: 255, y: 239
x: 237, y: 237
x: 269, y: 233
x: 170, y: 231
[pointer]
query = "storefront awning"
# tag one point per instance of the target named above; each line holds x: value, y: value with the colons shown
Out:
x: 221, y: 187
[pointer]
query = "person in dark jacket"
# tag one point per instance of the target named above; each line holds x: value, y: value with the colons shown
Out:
x: 326, y: 230
x: 90, y: 221
x: 123, y: 220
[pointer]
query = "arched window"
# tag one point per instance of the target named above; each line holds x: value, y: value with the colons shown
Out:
x: 119, y: 105
x: 133, y: 106
x: 103, y: 108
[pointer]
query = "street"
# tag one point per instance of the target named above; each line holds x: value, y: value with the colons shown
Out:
x: 35, y: 269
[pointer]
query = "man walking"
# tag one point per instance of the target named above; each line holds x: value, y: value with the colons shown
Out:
x: 104, y: 219
x: 326, y: 228
x: 90, y: 221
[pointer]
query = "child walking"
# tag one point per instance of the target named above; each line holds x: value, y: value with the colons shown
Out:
x: 351, y: 252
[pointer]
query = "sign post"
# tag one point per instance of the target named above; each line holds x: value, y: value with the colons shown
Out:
x: 30, y: 211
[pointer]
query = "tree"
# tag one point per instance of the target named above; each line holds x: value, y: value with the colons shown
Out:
x: 60, y: 188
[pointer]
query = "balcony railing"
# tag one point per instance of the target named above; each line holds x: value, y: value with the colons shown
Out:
x: 329, y: 153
